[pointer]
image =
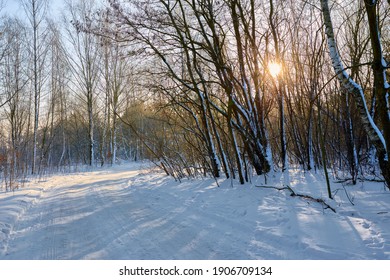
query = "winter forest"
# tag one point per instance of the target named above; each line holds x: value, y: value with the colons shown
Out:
x: 242, y: 103
x: 200, y: 87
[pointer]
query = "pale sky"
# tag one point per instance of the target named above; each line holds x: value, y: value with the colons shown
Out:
x: 13, y: 7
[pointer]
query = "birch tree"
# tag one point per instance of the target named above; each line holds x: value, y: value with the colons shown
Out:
x: 35, y: 11
x: 56, y: 150
x: 380, y: 140
x: 117, y: 74
x: 84, y: 61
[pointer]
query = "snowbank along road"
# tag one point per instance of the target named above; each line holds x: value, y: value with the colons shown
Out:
x: 132, y: 212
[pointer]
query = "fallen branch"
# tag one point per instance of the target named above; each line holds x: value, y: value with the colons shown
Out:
x: 276, y: 188
x: 319, y: 200
x: 305, y: 196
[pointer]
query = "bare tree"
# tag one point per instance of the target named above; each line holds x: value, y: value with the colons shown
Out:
x: 35, y: 11
x: 279, y: 87
x: 14, y: 84
x: 54, y: 131
x: 84, y: 61
x: 117, y: 72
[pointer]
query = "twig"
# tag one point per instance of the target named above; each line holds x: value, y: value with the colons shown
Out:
x: 346, y: 193
x: 305, y: 196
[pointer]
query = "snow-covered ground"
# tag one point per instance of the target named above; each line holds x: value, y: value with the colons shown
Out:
x: 134, y: 212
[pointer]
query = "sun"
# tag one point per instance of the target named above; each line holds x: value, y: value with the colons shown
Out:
x: 274, y: 69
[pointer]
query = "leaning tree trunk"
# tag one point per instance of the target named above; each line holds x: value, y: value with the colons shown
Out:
x: 356, y: 91
x: 382, y: 87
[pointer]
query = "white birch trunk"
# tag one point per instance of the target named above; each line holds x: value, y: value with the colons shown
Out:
x: 349, y: 84
x: 373, y: 132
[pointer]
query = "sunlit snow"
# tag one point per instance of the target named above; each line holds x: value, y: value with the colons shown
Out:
x: 133, y: 211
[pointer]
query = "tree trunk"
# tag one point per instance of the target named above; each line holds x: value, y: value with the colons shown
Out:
x: 36, y: 87
x: 310, y: 157
x: 356, y: 91
x: 283, y: 146
x: 90, y: 132
x: 114, y: 138
x: 382, y: 87
x: 280, y: 91
x: 350, y: 140
x: 323, y: 149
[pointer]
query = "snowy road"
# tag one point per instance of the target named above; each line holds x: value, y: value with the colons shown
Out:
x: 127, y: 213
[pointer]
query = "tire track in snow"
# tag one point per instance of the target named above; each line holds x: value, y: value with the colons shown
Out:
x: 38, y: 225
x: 53, y: 227
x: 161, y: 223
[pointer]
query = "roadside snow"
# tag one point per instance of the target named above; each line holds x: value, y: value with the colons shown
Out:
x: 134, y: 212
